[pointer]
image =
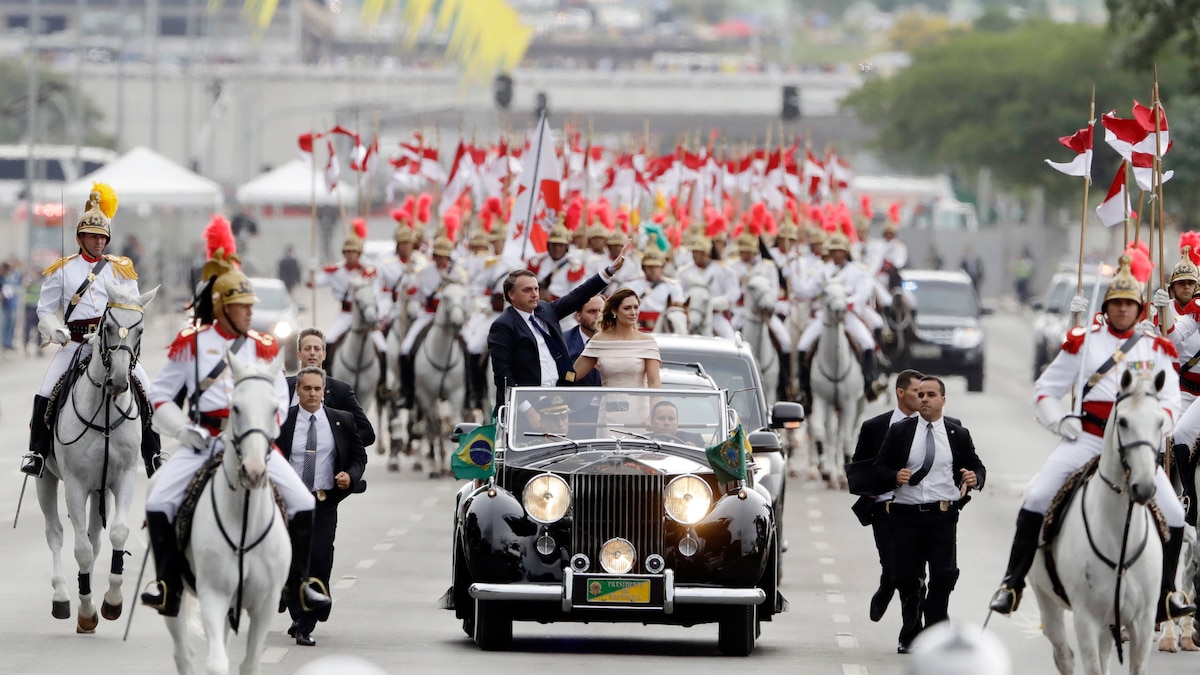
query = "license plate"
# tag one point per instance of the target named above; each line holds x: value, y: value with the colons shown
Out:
x: 619, y: 591
x: 926, y: 352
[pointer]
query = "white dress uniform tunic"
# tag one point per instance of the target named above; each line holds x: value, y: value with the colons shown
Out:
x: 425, y: 294
x: 1186, y: 330
x: 655, y: 297
x: 767, y: 270
x: 723, y: 286
x: 395, y: 278
x: 559, y: 277
x: 63, y: 278
x: 1188, y: 348
x: 1152, y: 355
x: 171, y: 481
x: 337, y: 278
x: 858, y: 293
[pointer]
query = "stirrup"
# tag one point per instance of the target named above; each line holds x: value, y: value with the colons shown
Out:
x: 34, y: 465
x: 1005, y: 601
x: 1176, y: 605
x: 318, y: 587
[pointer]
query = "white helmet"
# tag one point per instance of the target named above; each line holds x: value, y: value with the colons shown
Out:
x: 948, y: 648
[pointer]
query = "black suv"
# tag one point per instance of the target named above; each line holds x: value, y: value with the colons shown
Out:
x: 948, y: 335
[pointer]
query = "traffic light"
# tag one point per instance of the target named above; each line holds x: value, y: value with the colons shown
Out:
x: 541, y: 108
x: 503, y: 88
x: 791, y: 102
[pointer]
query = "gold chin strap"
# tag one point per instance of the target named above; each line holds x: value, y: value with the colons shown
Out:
x: 117, y: 305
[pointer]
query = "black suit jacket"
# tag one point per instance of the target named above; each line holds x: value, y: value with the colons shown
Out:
x: 575, y: 345
x: 349, y: 454
x: 860, y: 471
x: 512, y: 346
x: 893, y: 454
x: 339, y: 395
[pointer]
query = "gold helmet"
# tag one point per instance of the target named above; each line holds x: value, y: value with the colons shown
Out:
x: 816, y: 236
x: 98, y: 212
x: 615, y: 238
x: 700, y: 242
x: 890, y: 228
x: 357, y: 239
x: 597, y: 230
x: 232, y: 287
x: 788, y: 230
x: 1185, y: 269
x: 228, y: 284
x: 559, y: 234
x: 653, y: 257
x: 479, y: 239
x: 1124, y: 286
x: 443, y: 246
x: 747, y: 243
x: 404, y: 234
x: 837, y: 242
x: 498, y: 233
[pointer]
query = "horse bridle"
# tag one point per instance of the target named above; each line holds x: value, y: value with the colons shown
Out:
x: 236, y: 440
x: 360, y: 310
x: 106, y: 352
x: 1122, y: 448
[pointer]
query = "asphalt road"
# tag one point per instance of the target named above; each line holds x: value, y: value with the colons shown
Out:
x: 393, y: 555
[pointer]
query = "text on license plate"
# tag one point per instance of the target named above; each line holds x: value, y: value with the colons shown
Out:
x: 926, y: 352
x: 635, y: 591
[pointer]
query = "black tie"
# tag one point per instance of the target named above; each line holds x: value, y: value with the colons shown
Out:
x: 929, y: 452
x: 556, y: 350
x: 308, y: 472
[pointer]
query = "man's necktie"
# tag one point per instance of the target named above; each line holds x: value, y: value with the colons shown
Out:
x: 929, y: 452
x: 556, y: 349
x: 309, y: 473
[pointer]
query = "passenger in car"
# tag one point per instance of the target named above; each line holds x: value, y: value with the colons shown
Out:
x: 664, y: 421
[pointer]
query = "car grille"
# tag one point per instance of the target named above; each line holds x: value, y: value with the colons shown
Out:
x: 626, y: 506
x: 940, y: 336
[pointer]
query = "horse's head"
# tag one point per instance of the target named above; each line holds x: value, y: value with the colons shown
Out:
x: 118, y: 341
x: 253, y: 420
x: 836, y: 302
x: 759, y: 298
x: 452, y: 307
x: 674, y: 320
x: 1133, y: 436
x: 366, y: 307
x: 699, y: 304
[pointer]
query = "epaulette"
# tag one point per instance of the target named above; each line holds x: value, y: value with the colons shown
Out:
x: 122, y: 266
x: 491, y: 260
x: 1075, y: 337
x: 1165, y: 346
x: 266, y: 345
x: 184, y: 344
x: 330, y: 269
x: 57, y: 265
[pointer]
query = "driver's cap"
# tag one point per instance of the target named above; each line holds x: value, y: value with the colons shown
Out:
x: 553, y: 405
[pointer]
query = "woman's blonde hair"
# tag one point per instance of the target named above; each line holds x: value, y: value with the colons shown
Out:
x: 608, y: 317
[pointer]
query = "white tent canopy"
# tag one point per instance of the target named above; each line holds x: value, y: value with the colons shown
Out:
x: 144, y: 178
x: 291, y: 184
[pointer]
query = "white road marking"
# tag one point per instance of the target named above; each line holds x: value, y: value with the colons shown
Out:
x: 835, y: 597
x: 821, y: 545
x: 816, y: 529
x: 854, y: 669
x: 365, y: 564
x: 847, y: 641
x: 346, y: 582
x: 840, y: 618
x: 811, y: 500
x: 827, y: 561
x: 384, y: 545
x: 831, y: 579
x: 814, y: 513
x: 273, y: 654
x: 397, y: 532
x: 416, y: 517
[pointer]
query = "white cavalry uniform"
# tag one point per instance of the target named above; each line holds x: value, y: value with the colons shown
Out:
x: 63, y: 278
x: 559, y: 277
x: 767, y: 270
x: 723, y: 286
x: 858, y: 293
x: 1151, y: 355
x: 1186, y: 330
x: 655, y: 297
x: 395, y: 278
x: 1188, y: 348
x: 424, y: 296
x: 171, y: 481
x: 337, y: 278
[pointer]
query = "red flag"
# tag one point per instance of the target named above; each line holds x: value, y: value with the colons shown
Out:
x: 306, y: 146
x: 539, y: 200
x: 1146, y: 118
x: 1081, y: 144
x: 1114, y: 210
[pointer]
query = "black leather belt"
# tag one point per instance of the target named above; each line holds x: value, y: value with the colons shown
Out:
x: 927, y: 507
x: 347, y: 305
x: 213, y: 423
x: 80, y: 330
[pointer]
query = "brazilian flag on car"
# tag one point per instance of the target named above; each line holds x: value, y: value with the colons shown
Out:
x: 475, y: 455
x: 728, y: 458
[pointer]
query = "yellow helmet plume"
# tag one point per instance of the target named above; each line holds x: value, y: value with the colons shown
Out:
x: 108, y: 198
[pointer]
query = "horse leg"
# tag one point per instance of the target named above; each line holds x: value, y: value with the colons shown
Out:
x: 1055, y: 628
x: 214, y: 610
x: 47, y: 493
x: 118, y: 534
x: 256, y: 639
x: 177, y: 627
x: 816, y: 433
x: 1141, y: 634
x: 78, y: 509
x: 1168, y: 642
x: 1088, y: 636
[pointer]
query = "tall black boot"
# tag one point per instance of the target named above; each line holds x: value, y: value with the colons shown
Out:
x: 785, y: 377
x: 870, y: 369
x: 1020, y: 559
x: 883, y: 361
x: 165, y: 593
x: 382, y: 391
x: 805, y: 379
x: 1172, y: 604
x: 1181, y: 456
x: 407, y: 382
x: 310, y: 593
x: 151, y: 443
x: 474, y: 393
x: 39, y: 439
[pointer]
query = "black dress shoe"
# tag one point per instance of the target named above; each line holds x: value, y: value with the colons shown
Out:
x: 880, y: 601
x: 901, y: 648
x: 293, y: 628
x: 305, y: 640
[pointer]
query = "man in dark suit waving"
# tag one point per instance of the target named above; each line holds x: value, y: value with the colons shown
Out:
x: 323, y: 446
x: 339, y: 395
x: 931, y: 461
x: 526, y: 342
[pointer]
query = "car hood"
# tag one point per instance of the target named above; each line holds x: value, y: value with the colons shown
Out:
x: 606, y: 462
x: 945, y: 321
x: 266, y: 319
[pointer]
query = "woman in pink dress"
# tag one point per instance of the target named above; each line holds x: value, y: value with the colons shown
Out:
x: 625, y: 357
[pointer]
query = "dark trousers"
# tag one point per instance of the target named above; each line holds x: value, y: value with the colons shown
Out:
x: 882, y: 528
x: 320, y: 562
x: 920, y: 539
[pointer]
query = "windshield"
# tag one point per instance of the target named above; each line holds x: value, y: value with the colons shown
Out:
x: 732, y: 373
x: 943, y: 298
x: 1059, y: 299
x: 272, y: 298
x: 538, y: 416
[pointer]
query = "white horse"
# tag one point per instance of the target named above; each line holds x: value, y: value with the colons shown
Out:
x: 837, y: 385
x: 239, y: 550
x: 356, y: 361
x: 673, y: 320
x: 699, y: 307
x: 439, y: 368
x: 97, y: 437
x: 760, y: 306
x: 1094, y: 541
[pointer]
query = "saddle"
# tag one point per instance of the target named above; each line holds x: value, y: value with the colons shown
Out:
x: 58, y: 396
x: 187, y: 509
x: 812, y: 352
x: 1058, y: 511
x: 424, y: 332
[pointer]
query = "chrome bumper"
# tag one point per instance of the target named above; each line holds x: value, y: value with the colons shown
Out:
x: 674, y: 595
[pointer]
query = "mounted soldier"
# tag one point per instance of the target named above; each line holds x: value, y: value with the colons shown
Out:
x: 1172, y: 304
x: 76, y: 287
x: 197, y: 371
x: 559, y: 270
x: 340, y: 279
x: 655, y: 292
x: 720, y: 282
x: 423, y: 298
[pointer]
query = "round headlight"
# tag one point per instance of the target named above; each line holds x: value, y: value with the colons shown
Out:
x: 687, y: 499
x: 617, y: 556
x: 546, y: 498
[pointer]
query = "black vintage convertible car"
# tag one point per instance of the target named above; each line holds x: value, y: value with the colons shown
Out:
x: 600, y: 511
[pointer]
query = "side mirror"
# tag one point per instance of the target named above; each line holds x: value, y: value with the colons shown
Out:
x: 462, y: 429
x: 786, y: 415
x: 985, y: 310
x: 764, y: 441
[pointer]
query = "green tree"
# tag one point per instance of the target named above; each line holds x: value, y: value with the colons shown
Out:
x: 1002, y: 100
x: 56, y: 101
x: 1150, y: 29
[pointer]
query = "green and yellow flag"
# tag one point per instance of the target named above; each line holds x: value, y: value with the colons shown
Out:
x: 476, y: 454
x: 728, y: 458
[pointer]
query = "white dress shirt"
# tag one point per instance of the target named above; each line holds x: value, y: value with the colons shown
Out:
x: 938, y: 485
x: 549, y: 367
x: 897, y: 415
x: 323, y: 479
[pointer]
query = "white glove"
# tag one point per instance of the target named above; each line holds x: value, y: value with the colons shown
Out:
x: 60, y: 335
x: 169, y: 420
x: 1053, y: 416
x: 720, y: 303
x: 1079, y: 304
x: 1161, y: 298
x: 314, y: 266
x: 1148, y: 326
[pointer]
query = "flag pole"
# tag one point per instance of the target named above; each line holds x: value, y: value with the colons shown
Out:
x: 535, y: 183
x: 1126, y: 167
x: 313, y: 235
x: 1087, y: 182
x: 1158, y: 173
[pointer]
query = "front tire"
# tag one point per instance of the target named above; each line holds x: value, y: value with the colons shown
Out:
x: 737, y: 630
x: 975, y: 381
x: 493, y: 626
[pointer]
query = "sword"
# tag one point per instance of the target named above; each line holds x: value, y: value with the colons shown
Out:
x: 133, y: 605
x: 19, y: 500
